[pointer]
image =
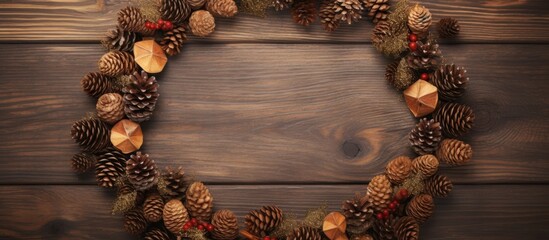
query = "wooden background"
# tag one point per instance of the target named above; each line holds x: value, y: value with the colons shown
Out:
x: 261, y: 110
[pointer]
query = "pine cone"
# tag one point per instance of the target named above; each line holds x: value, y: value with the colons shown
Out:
x: 175, y: 216
x: 134, y: 222
x: 456, y: 119
x: 381, y: 30
x: 280, y: 5
x: 426, y: 165
x: 438, y: 186
x: 348, y: 10
x: 131, y: 19
x: 173, y: 40
x: 222, y: 8
x: 426, y: 136
x: 176, y: 184
x: 140, y: 97
x: 327, y: 15
x: 115, y: 63
x: 125, y: 188
x: 406, y: 228
x: 427, y: 57
x: 110, y: 108
x: 420, y: 207
x: 177, y: 11
x: 262, y: 221
x: 362, y: 237
x: 359, y: 214
x: 141, y: 171
x: 304, y: 233
x: 383, y: 229
x: 109, y: 167
x: 153, y: 208
x: 380, y: 192
x: 378, y: 10
x: 120, y: 40
x: 83, y: 162
x: 202, y: 23
x: 226, y: 225
x: 448, y: 27
x: 156, y: 234
x: 454, y: 152
x: 304, y: 12
x: 398, y: 169
x: 199, y: 201
x: 419, y: 19
x: 96, y: 84
x: 451, y: 81
x: 91, y: 134
x: 196, y: 4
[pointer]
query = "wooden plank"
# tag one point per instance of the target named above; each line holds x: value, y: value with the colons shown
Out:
x: 272, y: 113
x: 87, y: 20
x: 471, y: 212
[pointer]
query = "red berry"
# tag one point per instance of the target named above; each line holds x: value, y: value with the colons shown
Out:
x: 392, y: 206
x: 273, y: 238
x: 413, y: 46
x: 148, y: 24
x: 160, y: 22
x: 200, y: 227
x: 210, y: 227
x: 186, y: 227
x: 168, y: 24
x: 412, y: 37
x: 194, y: 222
x: 424, y: 76
x: 267, y: 238
x: 379, y: 216
x: 385, y: 213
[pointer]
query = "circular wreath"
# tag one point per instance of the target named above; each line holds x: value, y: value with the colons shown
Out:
x: 166, y: 204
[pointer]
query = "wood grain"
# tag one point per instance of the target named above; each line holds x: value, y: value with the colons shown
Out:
x: 87, y: 20
x: 276, y: 113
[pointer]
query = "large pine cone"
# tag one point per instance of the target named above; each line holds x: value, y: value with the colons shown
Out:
x: 262, y: 221
x: 156, y: 234
x: 177, y: 11
x: 456, y: 119
x: 96, y: 84
x: 83, y: 162
x: 91, y: 134
x: 421, y: 207
x: 153, y: 207
x: 109, y: 167
x: 141, y: 171
x: 348, y: 10
x: 199, y: 201
x: 226, y: 225
x: 120, y: 40
x: 448, y: 27
x: 451, y: 81
x: 134, y: 222
x: 140, y: 97
x: 222, y: 8
x: 202, y: 23
x: 131, y: 19
x: 378, y: 10
x: 419, y: 19
x: 406, y: 228
x: 358, y: 213
x: 176, y: 184
x: 173, y: 40
x: 454, y: 152
x: 280, y: 5
x: 110, y: 108
x: 383, y: 229
x: 380, y: 192
x: 196, y: 4
x: 427, y: 57
x: 116, y: 63
x: 175, y: 216
x: 398, y: 169
x: 304, y: 233
x: 438, y: 186
x: 327, y: 15
x: 426, y: 165
x: 426, y: 136
x: 304, y: 12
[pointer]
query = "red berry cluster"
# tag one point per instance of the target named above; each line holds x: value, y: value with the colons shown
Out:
x: 202, y: 226
x: 399, y: 197
x: 268, y: 238
x: 412, y: 38
x: 163, y: 25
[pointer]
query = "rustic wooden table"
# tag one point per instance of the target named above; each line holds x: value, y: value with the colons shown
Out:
x: 261, y: 110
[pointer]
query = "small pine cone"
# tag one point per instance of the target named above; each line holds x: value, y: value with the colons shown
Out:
x: 83, y: 162
x: 426, y: 136
x: 381, y: 30
x: 362, y: 237
x: 420, y: 207
x: 222, y: 8
x: 383, y: 229
x: 456, y: 119
x: 202, y: 23
x: 175, y: 216
x: 109, y: 167
x: 451, y: 81
x: 304, y: 12
x: 438, y: 186
x: 454, y: 152
x: 380, y: 192
x: 327, y: 16
x: 134, y: 222
x: 358, y: 213
x: 304, y: 233
x: 115, y: 63
x: 91, y: 134
x: 262, y: 221
x: 406, y: 228
x: 176, y: 184
x: 398, y: 169
x: 110, y: 108
x: 140, y: 97
x: 141, y: 171
x: 378, y: 10
x: 156, y: 234
x: 280, y: 5
x: 419, y: 20
x: 199, y: 201
x: 120, y: 40
x: 448, y: 27
x: 173, y: 40
x: 426, y: 165
x: 427, y: 57
x: 153, y: 208
x: 177, y: 11
x: 96, y: 84
x: 196, y: 4
x: 226, y: 225
x: 132, y: 20
x: 348, y: 10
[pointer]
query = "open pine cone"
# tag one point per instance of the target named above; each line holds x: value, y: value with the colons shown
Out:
x: 199, y: 201
x: 156, y: 234
x: 348, y: 10
x: 454, y: 152
x: 398, y: 169
x: 426, y: 165
x: 456, y: 119
x: 134, y: 222
x: 175, y: 216
x: 176, y: 184
x: 109, y: 167
x: 406, y: 228
x: 222, y: 8
x: 427, y: 57
x: 419, y: 19
x: 262, y: 221
x: 327, y: 16
x: 426, y: 136
x: 280, y: 5
x: 153, y: 207
x: 304, y: 12
x: 380, y: 192
x: 172, y: 40
x: 177, y: 11
x: 116, y: 63
x: 438, y: 186
x: 96, y: 84
x: 226, y: 225
x: 141, y: 171
x: 383, y: 229
x: 305, y: 233
x: 118, y: 39
x: 448, y: 27
x: 196, y: 4
x: 378, y: 10
x: 420, y: 207
x: 202, y: 23
x: 110, y: 108
x: 91, y: 134
x: 451, y: 81
x: 140, y: 97
x: 358, y: 213
x: 82, y: 162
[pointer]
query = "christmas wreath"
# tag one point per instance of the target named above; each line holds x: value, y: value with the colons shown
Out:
x: 166, y: 204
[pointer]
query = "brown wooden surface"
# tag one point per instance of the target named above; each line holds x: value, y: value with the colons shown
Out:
x: 264, y: 108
